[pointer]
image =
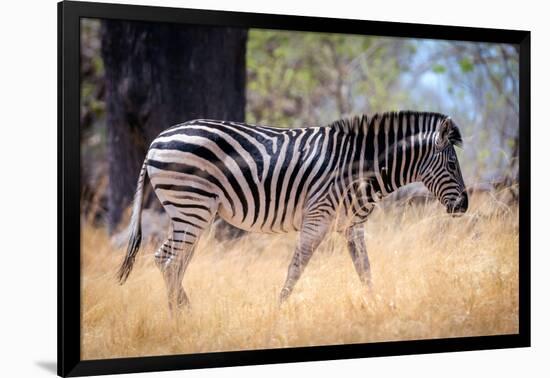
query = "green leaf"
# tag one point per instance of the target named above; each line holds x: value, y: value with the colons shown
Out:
x: 466, y: 65
x: 439, y: 68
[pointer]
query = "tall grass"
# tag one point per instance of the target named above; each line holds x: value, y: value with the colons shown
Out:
x: 434, y: 276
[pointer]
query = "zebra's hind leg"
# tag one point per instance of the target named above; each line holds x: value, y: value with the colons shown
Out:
x: 172, y: 259
x: 355, y: 237
x: 310, y: 237
x: 176, y: 252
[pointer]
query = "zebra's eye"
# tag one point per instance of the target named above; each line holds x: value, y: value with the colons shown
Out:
x: 452, y: 166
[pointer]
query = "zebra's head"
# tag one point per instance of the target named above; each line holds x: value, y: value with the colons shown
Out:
x: 441, y: 171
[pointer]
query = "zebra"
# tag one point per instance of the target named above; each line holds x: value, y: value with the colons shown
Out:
x: 274, y: 180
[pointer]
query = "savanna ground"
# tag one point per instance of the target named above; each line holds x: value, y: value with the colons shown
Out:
x: 434, y: 276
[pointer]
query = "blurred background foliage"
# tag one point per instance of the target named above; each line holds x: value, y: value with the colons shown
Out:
x: 296, y: 79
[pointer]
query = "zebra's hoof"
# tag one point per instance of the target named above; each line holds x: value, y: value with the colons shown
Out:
x: 183, y: 302
x: 285, y: 293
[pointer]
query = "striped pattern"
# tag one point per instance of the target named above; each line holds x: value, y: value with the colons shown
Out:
x: 311, y: 180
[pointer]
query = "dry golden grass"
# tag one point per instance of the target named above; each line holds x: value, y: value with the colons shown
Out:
x: 434, y: 276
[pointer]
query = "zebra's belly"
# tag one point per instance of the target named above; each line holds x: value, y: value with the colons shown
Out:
x: 270, y: 223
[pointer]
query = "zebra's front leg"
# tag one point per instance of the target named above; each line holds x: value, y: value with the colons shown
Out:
x: 310, y: 237
x: 355, y: 237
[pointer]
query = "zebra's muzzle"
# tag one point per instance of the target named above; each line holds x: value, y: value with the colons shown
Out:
x: 460, y: 206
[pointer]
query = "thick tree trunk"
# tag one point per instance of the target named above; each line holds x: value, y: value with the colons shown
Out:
x: 158, y: 75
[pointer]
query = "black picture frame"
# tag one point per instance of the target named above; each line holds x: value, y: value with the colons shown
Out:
x: 69, y: 362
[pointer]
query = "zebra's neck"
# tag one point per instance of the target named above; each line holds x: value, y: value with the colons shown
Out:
x: 391, y: 149
x: 401, y: 163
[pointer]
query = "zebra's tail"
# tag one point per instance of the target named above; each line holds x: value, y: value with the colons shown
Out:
x: 134, y: 229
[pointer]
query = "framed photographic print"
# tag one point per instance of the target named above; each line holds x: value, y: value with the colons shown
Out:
x: 240, y: 188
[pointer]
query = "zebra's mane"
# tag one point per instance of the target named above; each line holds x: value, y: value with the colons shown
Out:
x: 364, y: 122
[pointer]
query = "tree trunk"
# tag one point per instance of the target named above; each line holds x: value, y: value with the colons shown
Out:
x: 158, y: 75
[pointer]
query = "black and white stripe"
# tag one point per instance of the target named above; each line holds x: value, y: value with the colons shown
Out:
x: 311, y: 180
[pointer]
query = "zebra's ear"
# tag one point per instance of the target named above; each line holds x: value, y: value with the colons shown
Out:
x: 449, y: 134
